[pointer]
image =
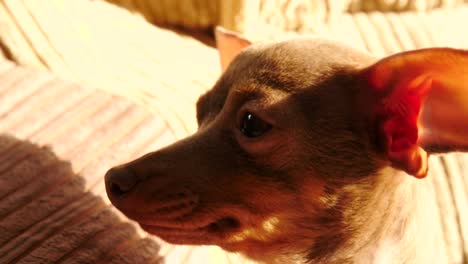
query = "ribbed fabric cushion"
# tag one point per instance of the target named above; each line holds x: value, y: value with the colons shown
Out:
x: 57, y: 141
x: 122, y: 54
x: 283, y: 15
x: 379, y: 32
x: 400, y: 5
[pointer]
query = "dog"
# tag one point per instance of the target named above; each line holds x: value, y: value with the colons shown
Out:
x: 308, y: 151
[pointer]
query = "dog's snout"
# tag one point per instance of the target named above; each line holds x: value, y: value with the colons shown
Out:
x: 120, y: 181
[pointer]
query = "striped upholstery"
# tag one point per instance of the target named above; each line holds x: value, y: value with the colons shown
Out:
x: 57, y: 140
x: 243, y: 15
x: 160, y: 74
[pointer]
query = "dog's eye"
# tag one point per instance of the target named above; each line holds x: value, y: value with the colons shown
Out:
x: 252, y: 126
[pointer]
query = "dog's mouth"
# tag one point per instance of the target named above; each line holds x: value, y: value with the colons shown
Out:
x: 185, y: 220
x: 211, y: 233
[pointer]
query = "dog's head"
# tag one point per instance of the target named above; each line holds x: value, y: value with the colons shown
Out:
x: 285, y: 137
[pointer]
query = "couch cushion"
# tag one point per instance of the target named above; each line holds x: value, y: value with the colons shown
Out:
x: 284, y: 15
x: 57, y: 141
x: 122, y: 54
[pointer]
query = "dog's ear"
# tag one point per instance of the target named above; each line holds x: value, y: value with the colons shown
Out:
x: 419, y: 100
x: 229, y: 44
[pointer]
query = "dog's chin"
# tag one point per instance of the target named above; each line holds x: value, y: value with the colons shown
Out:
x: 213, y: 233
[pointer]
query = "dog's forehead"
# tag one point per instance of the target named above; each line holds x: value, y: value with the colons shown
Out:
x: 288, y: 65
x: 292, y: 64
x: 309, y: 55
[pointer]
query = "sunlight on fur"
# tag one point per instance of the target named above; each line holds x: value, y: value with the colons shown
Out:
x: 268, y: 227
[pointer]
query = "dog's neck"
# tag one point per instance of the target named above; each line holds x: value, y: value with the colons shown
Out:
x: 393, y: 224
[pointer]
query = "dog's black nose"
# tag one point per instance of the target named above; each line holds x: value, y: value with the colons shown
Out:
x: 120, y: 181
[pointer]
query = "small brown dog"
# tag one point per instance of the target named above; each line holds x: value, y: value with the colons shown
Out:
x: 303, y: 153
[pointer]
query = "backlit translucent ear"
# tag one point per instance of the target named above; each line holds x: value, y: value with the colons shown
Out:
x: 418, y: 101
x: 229, y: 44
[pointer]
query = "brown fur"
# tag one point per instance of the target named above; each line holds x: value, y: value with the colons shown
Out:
x: 317, y: 188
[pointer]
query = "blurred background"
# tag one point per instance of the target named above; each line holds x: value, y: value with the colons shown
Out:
x: 159, y: 55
